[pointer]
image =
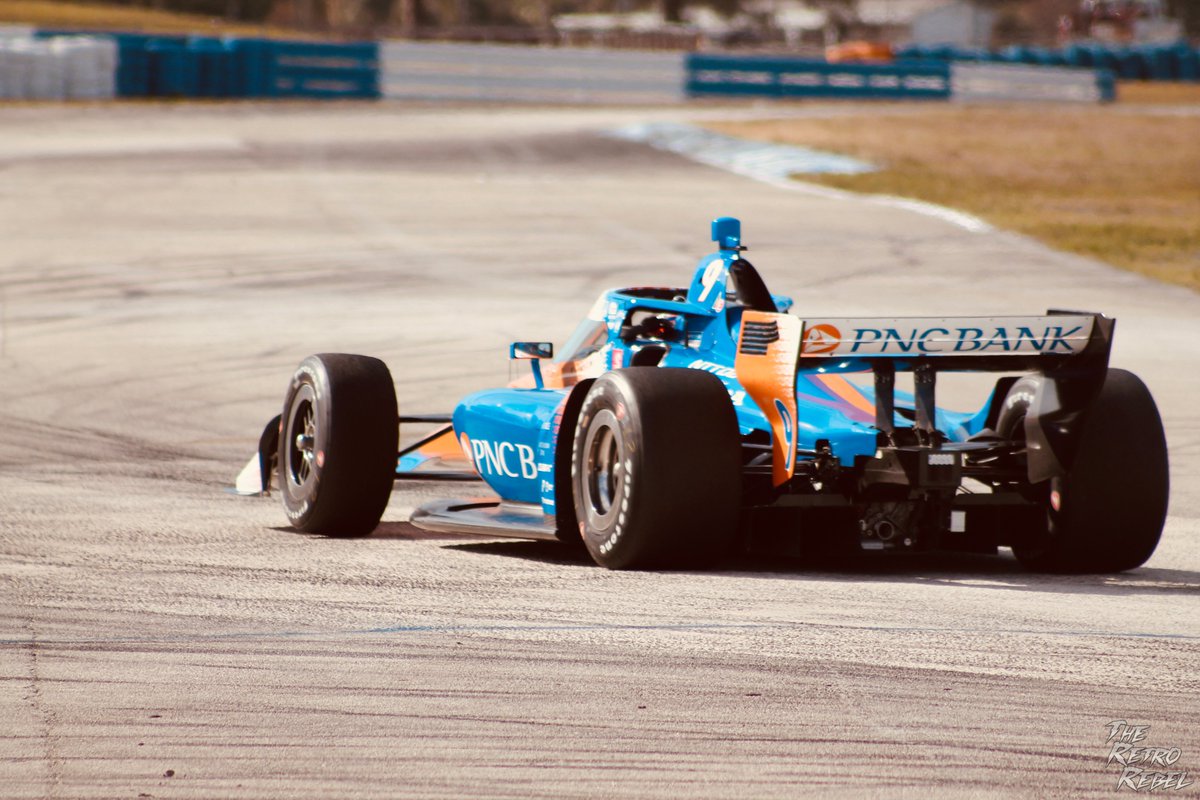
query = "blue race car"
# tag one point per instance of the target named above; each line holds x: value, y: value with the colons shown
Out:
x: 678, y: 424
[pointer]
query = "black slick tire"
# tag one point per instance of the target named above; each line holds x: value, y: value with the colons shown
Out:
x: 1113, y: 502
x: 656, y: 469
x: 337, y: 444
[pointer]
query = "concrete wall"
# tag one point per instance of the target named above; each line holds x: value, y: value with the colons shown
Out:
x: 427, y: 70
x: 983, y: 82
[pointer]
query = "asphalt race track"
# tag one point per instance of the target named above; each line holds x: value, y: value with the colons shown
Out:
x: 164, y: 268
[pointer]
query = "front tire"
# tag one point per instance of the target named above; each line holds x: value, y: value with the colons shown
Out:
x: 1112, y: 504
x: 656, y: 469
x: 337, y: 444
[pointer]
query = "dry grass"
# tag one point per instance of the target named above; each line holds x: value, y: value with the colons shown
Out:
x: 97, y: 16
x: 1158, y: 93
x: 1116, y: 183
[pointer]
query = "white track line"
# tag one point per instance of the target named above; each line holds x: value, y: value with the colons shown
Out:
x: 775, y: 164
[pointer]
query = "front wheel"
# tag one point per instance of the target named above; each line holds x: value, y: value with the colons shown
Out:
x: 1107, y: 513
x: 337, y: 444
x: 656, y: 468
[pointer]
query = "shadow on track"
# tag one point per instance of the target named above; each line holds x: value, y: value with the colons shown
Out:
x: 952, y: 569
x: 385, y: 530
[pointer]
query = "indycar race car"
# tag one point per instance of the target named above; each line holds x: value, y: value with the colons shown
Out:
x: 678, y: 424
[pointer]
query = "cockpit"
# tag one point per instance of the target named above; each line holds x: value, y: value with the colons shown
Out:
x: 659, y: 317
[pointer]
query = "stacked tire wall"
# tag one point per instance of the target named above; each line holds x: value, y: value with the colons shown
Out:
x: 61, y: 65
x: 58, y: 68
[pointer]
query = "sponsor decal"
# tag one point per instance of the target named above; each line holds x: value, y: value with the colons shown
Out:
x: 714, y: 273
x: 820, y: 339
x: 786, y: 417
x: 594, y: 365
x: 720, y: 370
x: 1019, y: 397
x: 465, y: 444
x: 596, y: 312
x: 726, y: 374
x: 558, y: 414
x: 1143, y: 768
x: 1058, y: 335
x: 503, y: 458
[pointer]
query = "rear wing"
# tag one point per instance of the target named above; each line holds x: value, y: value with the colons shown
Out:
x: 1069, y: 348
x: 958, y: 343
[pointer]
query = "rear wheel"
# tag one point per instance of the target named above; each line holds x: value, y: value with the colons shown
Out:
x: 1107, y: 513
x: 337, y: 444
x: 656, y: 469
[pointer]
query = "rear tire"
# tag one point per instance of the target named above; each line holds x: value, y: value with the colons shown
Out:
x: 656, y: 469
x: 337, y: 444
x: 1113, y: 502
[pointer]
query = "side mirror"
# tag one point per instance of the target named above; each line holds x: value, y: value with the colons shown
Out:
x: 531, y: 350
x: 534, y: 352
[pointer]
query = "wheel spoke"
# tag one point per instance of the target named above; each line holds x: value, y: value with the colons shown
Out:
x: 301, y: 442
x: 604, y: 473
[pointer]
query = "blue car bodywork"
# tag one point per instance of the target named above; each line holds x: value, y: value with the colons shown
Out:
x: 511, y: 434
x: 821, y: 452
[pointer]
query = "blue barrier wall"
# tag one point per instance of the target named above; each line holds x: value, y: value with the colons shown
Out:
x: 760, y: 76
x: 199, y: 66
x: 1158, y: 62
x: 321, y: 70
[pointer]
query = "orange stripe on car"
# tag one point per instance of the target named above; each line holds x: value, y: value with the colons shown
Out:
x: 445, y: 445
x: 847, y: 391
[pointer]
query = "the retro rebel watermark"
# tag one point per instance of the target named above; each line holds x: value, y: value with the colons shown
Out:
x: 1143, y: 767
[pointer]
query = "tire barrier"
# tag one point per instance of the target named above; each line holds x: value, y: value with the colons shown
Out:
x: 1153, y: 62
x: 210, y: 67
x: 59, y: 68
x: 60, y: 65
